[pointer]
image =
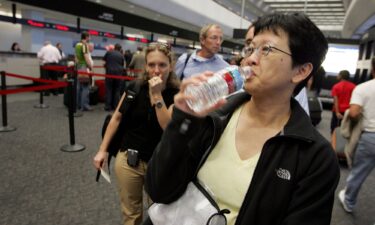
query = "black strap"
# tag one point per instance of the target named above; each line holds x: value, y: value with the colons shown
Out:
x: 183, y: 69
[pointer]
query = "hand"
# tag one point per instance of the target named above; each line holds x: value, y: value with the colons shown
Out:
x: 99, y: 159
x: 339, y: 115
x: 155, y: 85
x: 180, y: 98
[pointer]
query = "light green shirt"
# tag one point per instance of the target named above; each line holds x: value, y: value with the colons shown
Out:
x: 81, y: 49
x: 225, y: 174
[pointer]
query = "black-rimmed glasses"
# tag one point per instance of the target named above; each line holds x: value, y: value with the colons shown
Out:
x: 264, y: 50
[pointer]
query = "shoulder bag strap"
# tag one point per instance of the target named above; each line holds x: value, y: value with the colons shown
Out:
x: 183, y: 69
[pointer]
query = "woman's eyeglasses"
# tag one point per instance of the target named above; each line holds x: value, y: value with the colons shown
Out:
x: 263, y: 50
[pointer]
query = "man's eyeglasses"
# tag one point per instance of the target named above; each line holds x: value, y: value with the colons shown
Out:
x: 160, y: 45
x: 264, y: 50
x: 216, y: 38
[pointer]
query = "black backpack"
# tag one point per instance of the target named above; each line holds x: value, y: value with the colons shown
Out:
x: 117, y: 139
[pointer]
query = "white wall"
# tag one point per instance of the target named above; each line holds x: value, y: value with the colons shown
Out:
x: 12, y: 34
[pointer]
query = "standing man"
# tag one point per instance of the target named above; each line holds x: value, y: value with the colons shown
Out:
x: 49, y: 55
x: 138, y: 62
x: 84, y: 64
x: 341, y: 93
x: 301, y: 96
x: 114, y: 65
x: 362, y: 104
x: 206, y: 59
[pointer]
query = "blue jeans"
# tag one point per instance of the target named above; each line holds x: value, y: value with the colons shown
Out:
x: 364, y: 162
x: 83, y: 96
x: 83, y: 91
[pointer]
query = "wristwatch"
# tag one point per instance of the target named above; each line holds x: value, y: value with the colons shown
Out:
x: 159, y: 104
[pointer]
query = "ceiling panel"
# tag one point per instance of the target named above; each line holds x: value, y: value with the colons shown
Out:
x: 322, y: 12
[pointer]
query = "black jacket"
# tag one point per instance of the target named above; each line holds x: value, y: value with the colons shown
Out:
x: 293, y: 183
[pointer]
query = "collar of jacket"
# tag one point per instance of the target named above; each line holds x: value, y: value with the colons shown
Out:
x: 298, y: 126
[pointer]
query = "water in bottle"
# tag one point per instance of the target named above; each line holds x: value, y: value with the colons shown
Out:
x: 221, y: 84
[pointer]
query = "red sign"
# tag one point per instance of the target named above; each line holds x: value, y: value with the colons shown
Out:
x: 35, y: 24
x: 93, y: 32
x: 61, y: 27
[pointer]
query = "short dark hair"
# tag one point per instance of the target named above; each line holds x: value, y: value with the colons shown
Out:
x: 344, y: 74
x: 118, y: 47
x: 306, y: 41
x: 84, y: 35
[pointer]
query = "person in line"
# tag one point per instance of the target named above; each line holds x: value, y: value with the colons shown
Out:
x: 85, y: 64
x: 145, y: 121
x: 301, y: 97
x: 205, y: 59
x: 341, y: 93
x: 114, y: 65
x: 137, y: 64
x: 49, y: 55
x: 63, y: 61
x: 59, y: 47
x: 128, y: 57
x: 15, y: 47
x: 257, y: 150
x: 362, y: 104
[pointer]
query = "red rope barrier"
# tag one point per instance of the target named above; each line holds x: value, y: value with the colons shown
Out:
x: 50, y: 84
x: 31, y: 78
x: 119, y: 77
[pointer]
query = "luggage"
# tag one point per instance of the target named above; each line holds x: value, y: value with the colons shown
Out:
x: 101, y: 90
x: 94, y: 95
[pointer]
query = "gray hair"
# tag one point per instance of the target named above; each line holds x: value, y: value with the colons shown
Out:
x: 206, y: 28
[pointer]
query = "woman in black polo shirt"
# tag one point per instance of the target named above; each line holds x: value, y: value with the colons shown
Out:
x: 145, y: 120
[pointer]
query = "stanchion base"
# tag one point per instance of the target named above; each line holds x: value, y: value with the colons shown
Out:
x: 73, y: 148
x: 7, y: 129
x: 76, y: 114
x: 41, y: 106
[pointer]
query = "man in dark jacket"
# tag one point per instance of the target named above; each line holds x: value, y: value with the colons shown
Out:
x: 257, y: 151
x: 114, y: 65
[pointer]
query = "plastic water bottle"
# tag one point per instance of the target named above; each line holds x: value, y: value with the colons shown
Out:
x: 221, y: 84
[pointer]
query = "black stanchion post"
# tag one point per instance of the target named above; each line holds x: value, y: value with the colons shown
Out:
x: 5, y: 127
x: 41, y: 104
x: 73, y: 93
x: 72, y: 147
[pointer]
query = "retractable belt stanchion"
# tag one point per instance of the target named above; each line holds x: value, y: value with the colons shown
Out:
x: 5, y: 127
x: 72, y: 147
x: 41, y: 105
x: 73, y: 93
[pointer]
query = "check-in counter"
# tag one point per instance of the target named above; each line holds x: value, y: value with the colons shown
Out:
x: 27, y: 64
x: 23, y: 63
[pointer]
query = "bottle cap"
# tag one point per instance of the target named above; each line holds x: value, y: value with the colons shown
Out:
x: 246, y: 71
